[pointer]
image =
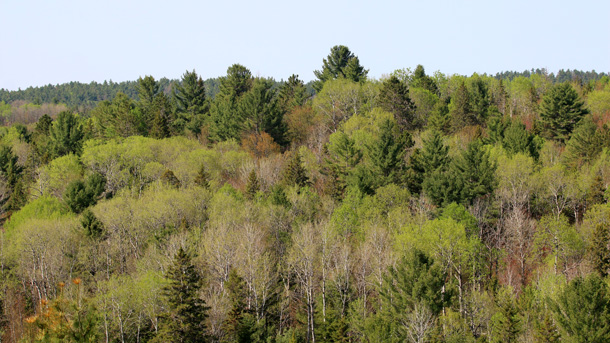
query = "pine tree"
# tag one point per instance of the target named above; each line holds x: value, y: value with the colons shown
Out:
x: 184, y: 322
x: 203, y: 178
x: 584, y: 145
x: 506, y: 322
x: 295, y: 173
x: 600, y: 254
x: 343, y: 157
x: 226, y: 121
x: 261, y: 113
x: 421, y: 80
x: 387, y: 153
x: 474, y: 173
x: 92, y: 226
x: 252, y: 187
x: 292, y: 94
x: 169, y: 178
x: 66, y: 134
x: 340, y: 63
x: 394, y: 98
x: 191, y: 101
x: 560, y: 112
x: 460, y: 109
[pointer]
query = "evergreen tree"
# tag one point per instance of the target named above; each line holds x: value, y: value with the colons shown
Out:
x: 184, y: 321
x: 66, y: 134
x: 517, y: 140
x: 252, y: 186
x: 226, y: 121
x: 295, y: 173
x: 584, y: 145
x: 479, y: 100
x: 421, y: 80
x: 79, y: 195
x: 292, y: 94
x: 340, y: 63
x: 599, y: 252
x: 169, y: 178
x: 203, y: 178
x: 394, y: 98
x: 506, y: 322
x: 474, y: 174
x: 261, y: 113
x: 582, y: 310
x: 191, y: 102
x: 343, y: 157
x: 387, y: 153
x: 92, y: 226
x: 545, y: 330
x: 460, y: 109
x: 560, y: 111
x: 147, y: 88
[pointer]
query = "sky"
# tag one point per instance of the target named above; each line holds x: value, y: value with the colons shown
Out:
x: 52, y: 42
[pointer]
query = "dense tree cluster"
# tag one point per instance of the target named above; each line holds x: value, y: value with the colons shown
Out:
x: 419, y: 208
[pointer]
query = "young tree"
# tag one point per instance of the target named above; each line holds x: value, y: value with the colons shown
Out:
x: 185, y: 319
x: 387, y: 153
x: 460, y: 109
x: 292, y: 93
x: 295, y: 173
x: 560, y: 111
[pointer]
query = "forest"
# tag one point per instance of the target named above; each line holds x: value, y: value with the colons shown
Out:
x: 420, y: 207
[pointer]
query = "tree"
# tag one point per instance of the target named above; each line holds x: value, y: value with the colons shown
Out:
x: 387, y: 153
x: 394, y: 98
x: 92, y: 226
x: 294, y: 172
x: 582, y: 310
x: 560, y: 111
x: 475, y: 173
x: 66, y: 134
x: 226, y: 121
x: 260, y: 111
x: 292, y: 93
x: 340, y: 63
x: 584, y: 146
x: 203, y: 178
x: 185, y: 319
x: 192, y: 105
x: 79, y: 195
x: 252, y: 186
x: 599, y: 252
x: 421, y: 80
x: 460, y: 109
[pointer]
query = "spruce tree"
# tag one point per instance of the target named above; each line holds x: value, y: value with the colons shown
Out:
x: 394, y: 98
x: 560, y: 112
x: 203, y: 178
x: 252, y: 186
x: 474, y: 174
x: 387, y: 153
x: 292, y: 93
x: 295, y: 173
x: 421, y: 80
x: 191, y: 101
x: 599, y: 252
x: 184, y: 321
x: 169, y: 178
x: 66, y: 134
x: 92, y: 226
x: 584, y: 145
x: 340, y: 63
x: 461, y: 109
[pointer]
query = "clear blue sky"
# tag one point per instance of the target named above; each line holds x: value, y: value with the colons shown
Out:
x: 45, y: 41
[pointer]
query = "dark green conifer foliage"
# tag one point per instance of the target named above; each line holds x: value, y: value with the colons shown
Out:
x: 226, y: 121
x: 79, y: 195
x: 169, y: 178
x: 203, y: 178
x: 295, y: 173
x: 387, y: 153
x: 278, y: 196
x: 599, y: 251
x: 506, y: 323
x: 545, y: 330
x: 184, y: 321
x: 479, y: 100
x: 434, y: 164
x: 584, y: 146
x: 421, y: 80
x: 253, y: 186
x: 394, y: 98
x: 66, y: 134
x: 18, y: 198
x: 9, y: 167
x: 343, y: 157
x: 260, y: 110
x: 596, y: 191
x: 414, y: 175
x: 191, y: 101
x: 582, y: 310
x: 237, y: 326
x: 92, y: 226
x: 292, y: 94
x: 44, y: 125
x: 474, y: 173
x: 160, y: 126
x: 460, y: 109
x: 560, y: 112
x: 147, y: 88
x: 518, y: 140
x: 341, y: 62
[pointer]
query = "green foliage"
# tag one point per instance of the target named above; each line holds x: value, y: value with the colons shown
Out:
x: 252, y: 187
x: 169, y: 178
x: 79, y: 195
x: 185, y: 319
x: 386, y: 154
x: 91, y: 225
x: 599, y: 252
x: 506, y: 322
x: 343, y: 157
x: 291, y: 94
x: 560, y: 112
x: 394, y: 98
x: 582, y: 310
x: 294, y: 172
x: 585, y: 144
x: 474, y: 172
x: 421, y: 80
x: 45, y: 207
x: 259, y: 108
x: 340, y: 63
x: 460, y: 109
x: 203, y: 178
x: 66, y: 134
x: 191, y: 102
